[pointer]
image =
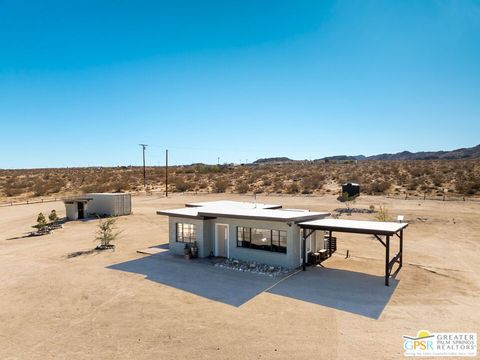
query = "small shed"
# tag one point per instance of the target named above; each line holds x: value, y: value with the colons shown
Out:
x: 98, y: 204
x: 352, y: 189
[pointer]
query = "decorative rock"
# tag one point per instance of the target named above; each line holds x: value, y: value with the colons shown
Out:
x: 252, y: 267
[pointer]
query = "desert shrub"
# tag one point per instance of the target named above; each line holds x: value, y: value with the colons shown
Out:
x: 313, y: 182
x: 10, y: 190
x: 53, y: 216
x: 202, y: 185
x: 383, y: 214
x: 41, y: 221
x: 377, y: 187
x: 468, y: 187
x: 40, y: 189
x: 242, y: 187
x: 208, y: 169
x: 292, y: 188
x: 92, y: 188
x: 412, y: 185
x: 181, y: 185
x: 220, y: 186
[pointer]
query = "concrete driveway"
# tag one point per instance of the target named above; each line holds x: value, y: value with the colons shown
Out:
x: 199, y: 277
x: 349, y: 291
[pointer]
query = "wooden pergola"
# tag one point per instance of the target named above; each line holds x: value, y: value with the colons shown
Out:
x: 375, y: 228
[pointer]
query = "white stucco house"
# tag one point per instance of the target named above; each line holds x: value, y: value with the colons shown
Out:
x: 263, y: 233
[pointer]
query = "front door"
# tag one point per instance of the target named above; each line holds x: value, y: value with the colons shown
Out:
x: 221, y: 240
x: 81, y: 212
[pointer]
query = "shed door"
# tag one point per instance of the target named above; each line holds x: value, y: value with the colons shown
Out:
x: 81, y: 210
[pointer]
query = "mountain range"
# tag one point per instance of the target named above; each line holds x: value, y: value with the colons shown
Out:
x: 463, y: 153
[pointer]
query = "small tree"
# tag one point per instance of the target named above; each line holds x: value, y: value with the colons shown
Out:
x: 383, y: 214
x: 347, y: 200
x: 41, y: 221
x: 53, y: 216
x: 106, y: 233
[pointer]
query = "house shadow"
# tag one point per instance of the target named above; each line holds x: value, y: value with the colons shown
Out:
x: 199, y: 277
x: 349, y: 291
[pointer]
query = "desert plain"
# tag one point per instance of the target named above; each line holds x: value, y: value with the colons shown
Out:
x: 125, y: 305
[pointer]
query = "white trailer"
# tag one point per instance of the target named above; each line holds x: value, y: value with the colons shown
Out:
x: 109, y: 204
x: 98, y: 204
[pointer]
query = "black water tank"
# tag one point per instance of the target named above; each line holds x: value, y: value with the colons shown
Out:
x: 352, y: 189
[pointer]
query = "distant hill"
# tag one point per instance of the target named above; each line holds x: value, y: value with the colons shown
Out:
x: 342, y: 158
x: 273, y: 160
x: 463, y: 153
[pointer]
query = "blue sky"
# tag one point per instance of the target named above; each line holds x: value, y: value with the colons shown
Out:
x: 83, y: 83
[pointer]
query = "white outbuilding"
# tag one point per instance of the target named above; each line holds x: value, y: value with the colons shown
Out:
x: 98, y: 204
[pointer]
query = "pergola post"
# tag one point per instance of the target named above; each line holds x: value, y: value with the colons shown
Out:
x: 401, y: 248
x: 304, y: 247
x: 329, y: 243
x: 387, y: 260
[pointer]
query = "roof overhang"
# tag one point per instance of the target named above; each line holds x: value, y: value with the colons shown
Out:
x: 267, y: 217
x: 355, y: 226
x: 76, y: 200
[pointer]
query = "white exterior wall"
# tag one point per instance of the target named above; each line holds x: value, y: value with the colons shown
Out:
x: 71, y: 210
x: 206, y: 240
x: 109, y: 204
x: 178, y: 248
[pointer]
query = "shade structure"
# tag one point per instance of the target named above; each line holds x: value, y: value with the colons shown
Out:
x: 375, y: 228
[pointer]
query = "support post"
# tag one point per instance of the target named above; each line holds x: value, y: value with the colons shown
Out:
x: 387, y: 260
x: 401, y: 248
x: 329, y: 243
x: 304, y: 247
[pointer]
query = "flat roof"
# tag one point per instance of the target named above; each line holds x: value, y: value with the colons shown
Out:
x: 108, y: 194
x: 238, y: 204
x: 239, y: 210
x: 355, y: 226
x: 77, y: 199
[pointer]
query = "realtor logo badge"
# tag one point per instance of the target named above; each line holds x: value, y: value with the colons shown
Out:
x: 440, y: 344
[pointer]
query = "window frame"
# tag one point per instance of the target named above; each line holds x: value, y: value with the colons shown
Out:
x: 180, y: 235
x: 244, y: 239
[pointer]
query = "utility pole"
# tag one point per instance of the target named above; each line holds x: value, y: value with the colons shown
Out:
x: 144, y: 172
x: 166, y: 173
x: 218, y: 160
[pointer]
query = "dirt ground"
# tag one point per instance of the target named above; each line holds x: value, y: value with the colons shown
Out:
x: 54, y: 307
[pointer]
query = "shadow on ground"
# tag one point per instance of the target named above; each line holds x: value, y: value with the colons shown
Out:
x: 344, y: 290
x: 350, y: 291
x: 199, y: 277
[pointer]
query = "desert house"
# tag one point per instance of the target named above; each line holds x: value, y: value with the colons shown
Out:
x: 271, y: 235
x: 262, y: 233
x: 98, y: 204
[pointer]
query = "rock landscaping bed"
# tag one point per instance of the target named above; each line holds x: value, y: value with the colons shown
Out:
x: 354, y: 210
x: 253, y: 267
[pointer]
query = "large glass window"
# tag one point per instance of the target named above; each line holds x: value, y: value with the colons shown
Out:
x: 279, y: 241
x: 262, y: 239
x: 243, y: 236
x: 186, y: 233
